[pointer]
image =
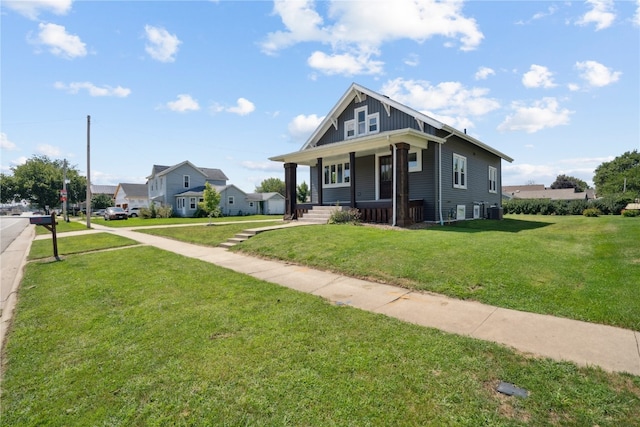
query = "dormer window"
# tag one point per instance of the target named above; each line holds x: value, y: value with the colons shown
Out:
x: 362, y: 124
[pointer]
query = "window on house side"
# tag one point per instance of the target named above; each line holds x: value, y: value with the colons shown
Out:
x: 493, y: 179
x: 362, y: 124
x: 459, y: 171
x: 192, y: 202
x: 349, y: 129
x: 231, y: 200
x: 415, y: 160
x: 187, y: 180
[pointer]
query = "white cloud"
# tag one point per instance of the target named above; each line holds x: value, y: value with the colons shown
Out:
x: 33, y: 8
x: 183, y: 104
x: 93, y: 90
x: 48, y: 150
x: 412, y: 60
x: 345, y: 64
x: 636, y: 17
x: 449, y: 102
x: 161, y: 45
x: 580, y: 167
x: 301, y: 127
x: 597, y: 74
x: 600, y: 14
x: 483, y: 73
x: 5, y: 144
x: 349, y: 30
x: 243, y: 107
x: 59, y: 42
x: 265, y: 166
x: 538, y: 76
x: 544, y: 113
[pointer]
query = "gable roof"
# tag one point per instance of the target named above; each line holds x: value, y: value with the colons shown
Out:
x: 208, y: 173
x: 260, y: 197
x: 103, y: 189
x: 199, y: 190
x: 133, y: 190
x: 413, y: 136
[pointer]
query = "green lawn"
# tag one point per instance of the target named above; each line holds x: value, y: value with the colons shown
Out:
x: 571, y: 266
x: 140, y: 336
x: 77, y: 244
x: 205, y: 235
x: 62, y: 227
x: 141, y: 222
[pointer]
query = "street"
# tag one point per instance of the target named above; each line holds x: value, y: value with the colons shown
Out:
x: 10, y: 228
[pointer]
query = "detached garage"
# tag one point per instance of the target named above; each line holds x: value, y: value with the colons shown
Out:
x: 268, y: 203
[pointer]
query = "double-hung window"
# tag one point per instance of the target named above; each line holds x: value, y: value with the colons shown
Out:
x: 192, y: 203
x: 459, y: 171
x: 493, y: 180
x: 337, y: 175
x: 186, y: 181
x: 362, y: 124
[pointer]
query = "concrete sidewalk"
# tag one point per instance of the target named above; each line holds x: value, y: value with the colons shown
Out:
x: 613, y: 349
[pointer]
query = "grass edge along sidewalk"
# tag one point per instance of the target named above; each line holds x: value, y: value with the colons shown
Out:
x: 218, y: 347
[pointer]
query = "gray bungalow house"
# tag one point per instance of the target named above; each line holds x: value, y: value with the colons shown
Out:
x: 181, y: 185
x: 395, y: 164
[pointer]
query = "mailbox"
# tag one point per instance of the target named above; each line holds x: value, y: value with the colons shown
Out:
x: 41, y: 220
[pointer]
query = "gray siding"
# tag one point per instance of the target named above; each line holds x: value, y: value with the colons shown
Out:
x: 478, y: 162
x: 240, y: 205
x: 365, y: 171
x: 174, y: 182
x: 397, y: 120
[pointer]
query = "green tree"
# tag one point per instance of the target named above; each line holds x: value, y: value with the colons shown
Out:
x: 303, y: 192
x: 39, y: 180
x: 101, y: 201
x: 621, y: 174
x: 7, y: 189
x: 565, y: 181
x: 272, y: 185
x: 211, y: 201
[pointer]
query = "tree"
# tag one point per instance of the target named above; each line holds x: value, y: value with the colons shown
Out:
x: 621, y: 174
x: 39, y: 180
x: 303, y: 192
x: 211, y: 201
x: 272, y: 185
x: 7, y: 189
x: 101, y: 201
x: 565, y: 181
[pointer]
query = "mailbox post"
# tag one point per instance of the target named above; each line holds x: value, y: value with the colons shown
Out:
x: 48, y: 222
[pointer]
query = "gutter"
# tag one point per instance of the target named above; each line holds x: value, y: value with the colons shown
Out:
x: 440, y: 176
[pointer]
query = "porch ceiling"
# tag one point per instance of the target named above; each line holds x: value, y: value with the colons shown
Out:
x: 363, y: 146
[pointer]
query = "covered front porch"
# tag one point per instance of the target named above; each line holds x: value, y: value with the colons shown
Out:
x: 370, y: 174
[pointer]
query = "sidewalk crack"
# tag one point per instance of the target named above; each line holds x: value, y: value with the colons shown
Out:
x: 484, y: 321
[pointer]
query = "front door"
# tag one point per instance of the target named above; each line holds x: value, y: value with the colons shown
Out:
x: 386, y: 177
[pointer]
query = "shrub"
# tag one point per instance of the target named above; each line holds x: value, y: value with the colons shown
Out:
x: 630, y: 213
x: 351, y: 216
x: 613, y: 204
x: 592, y: 212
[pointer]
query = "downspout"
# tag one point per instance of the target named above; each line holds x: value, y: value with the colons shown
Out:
x: 395, y: 171
x: 440, y: 177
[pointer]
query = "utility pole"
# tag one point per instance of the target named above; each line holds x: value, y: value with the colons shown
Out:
x: 88, y: 202
x: 64, y: 191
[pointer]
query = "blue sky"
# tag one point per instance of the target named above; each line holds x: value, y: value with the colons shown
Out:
x: 228, y: 84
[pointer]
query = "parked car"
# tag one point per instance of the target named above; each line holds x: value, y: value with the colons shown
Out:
x: 115, y: 213
x: 99, y: 212
x: 134, y: 212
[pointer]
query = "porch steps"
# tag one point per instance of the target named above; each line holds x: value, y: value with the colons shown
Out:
x: 238, y: 238
x: 319, y: 214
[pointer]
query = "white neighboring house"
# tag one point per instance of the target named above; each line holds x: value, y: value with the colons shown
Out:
x: 129, y: 196
x: 268, y: 203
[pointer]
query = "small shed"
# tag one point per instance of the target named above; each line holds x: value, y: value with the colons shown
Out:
x: 268, y: 203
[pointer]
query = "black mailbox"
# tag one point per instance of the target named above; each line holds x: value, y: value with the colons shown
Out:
x: 41, y: 220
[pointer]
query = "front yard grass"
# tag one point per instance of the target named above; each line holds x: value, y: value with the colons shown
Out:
x: 140, y: 336
x: 576, y: 267
x: 147, y: 222
x: 62, y: 227
x: 205, y: 235
x: 77, y: 244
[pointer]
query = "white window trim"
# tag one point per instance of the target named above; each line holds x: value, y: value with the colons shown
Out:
x: 418, y: 167
x: 186, y: 181
x: 352, y: 125
x: 231, y: 200
x: 192, y: 203
x: 465, y: 172
x: 345, y: 182
x: 493, y: 179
